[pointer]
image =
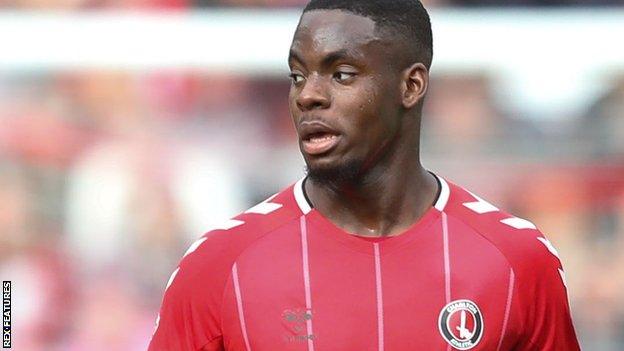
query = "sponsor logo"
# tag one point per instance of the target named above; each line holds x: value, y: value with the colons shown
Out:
x: 461, y: 324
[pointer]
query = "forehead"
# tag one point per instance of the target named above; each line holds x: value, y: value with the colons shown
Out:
x: 325, y: 31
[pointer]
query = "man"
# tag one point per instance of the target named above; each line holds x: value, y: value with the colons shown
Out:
x: 369, y: 251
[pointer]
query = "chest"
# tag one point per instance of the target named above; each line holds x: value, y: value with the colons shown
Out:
x: 322, y: 296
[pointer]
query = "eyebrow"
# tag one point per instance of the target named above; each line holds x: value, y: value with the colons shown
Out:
x: 328, y: 60
x: 333, y: 57
x: 294, y: 56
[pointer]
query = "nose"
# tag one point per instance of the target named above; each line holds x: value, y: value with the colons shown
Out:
x: 313, y: 95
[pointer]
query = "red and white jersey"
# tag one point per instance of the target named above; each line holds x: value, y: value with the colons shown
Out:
x: 281, y: 276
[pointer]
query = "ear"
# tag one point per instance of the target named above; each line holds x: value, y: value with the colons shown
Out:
x: 415, y: 81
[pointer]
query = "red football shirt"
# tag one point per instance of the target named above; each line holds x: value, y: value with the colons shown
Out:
x: 281, y: 276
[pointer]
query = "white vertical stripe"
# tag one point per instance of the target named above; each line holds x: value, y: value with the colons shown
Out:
x: 447, y: 263
x: 380, y: 318
x: 306, y: 280
x: 510, y: 289
x: 447, y: 260
x: 239, y: 304
x: 303, y: 204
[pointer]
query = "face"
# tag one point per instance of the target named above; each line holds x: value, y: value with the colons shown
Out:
x: 344, y: 98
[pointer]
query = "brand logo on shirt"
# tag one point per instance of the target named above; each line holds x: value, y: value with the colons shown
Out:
x: 296, y: 322
x: 461, y: 324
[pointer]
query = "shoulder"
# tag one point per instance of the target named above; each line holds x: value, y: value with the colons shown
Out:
x: 540, y: 313
x: 189, y: 317
x: 214, y: 253
x: 524, y: 246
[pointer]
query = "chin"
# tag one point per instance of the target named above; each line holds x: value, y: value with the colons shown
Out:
x: 335, y: 173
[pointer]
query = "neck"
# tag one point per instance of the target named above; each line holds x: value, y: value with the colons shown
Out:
x: 385, y: 201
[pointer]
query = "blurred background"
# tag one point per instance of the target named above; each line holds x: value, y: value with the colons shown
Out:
x: 129, y: 127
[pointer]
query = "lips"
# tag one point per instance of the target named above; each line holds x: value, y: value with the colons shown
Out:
x: 318, y: 138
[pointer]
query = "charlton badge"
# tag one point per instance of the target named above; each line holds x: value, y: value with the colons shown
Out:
x: 461, y: 324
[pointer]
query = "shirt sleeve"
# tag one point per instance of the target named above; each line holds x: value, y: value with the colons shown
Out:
x: 544, y: 303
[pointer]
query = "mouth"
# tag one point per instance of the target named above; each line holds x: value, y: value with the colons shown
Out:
x: 320, y: 143
x: 318, y: 138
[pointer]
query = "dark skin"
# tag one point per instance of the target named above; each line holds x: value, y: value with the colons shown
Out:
x: 353, y: 77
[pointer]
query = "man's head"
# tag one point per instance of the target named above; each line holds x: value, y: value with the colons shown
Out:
x: 360, y: 73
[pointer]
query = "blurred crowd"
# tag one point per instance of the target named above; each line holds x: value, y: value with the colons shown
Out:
x: 107, y: 177
x: 185, y: 4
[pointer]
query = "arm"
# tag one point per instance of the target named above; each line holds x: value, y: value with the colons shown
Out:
x: 544, y: 303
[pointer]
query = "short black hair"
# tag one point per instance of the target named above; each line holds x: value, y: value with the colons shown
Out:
x: 405, y: 19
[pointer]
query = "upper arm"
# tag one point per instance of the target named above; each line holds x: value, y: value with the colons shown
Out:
x: 543, y: 302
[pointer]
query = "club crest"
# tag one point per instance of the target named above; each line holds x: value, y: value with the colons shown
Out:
x: 461, y: 324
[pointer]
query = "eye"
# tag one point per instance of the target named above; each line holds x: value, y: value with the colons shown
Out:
x: 343, y: 77
x: 296, y: 78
